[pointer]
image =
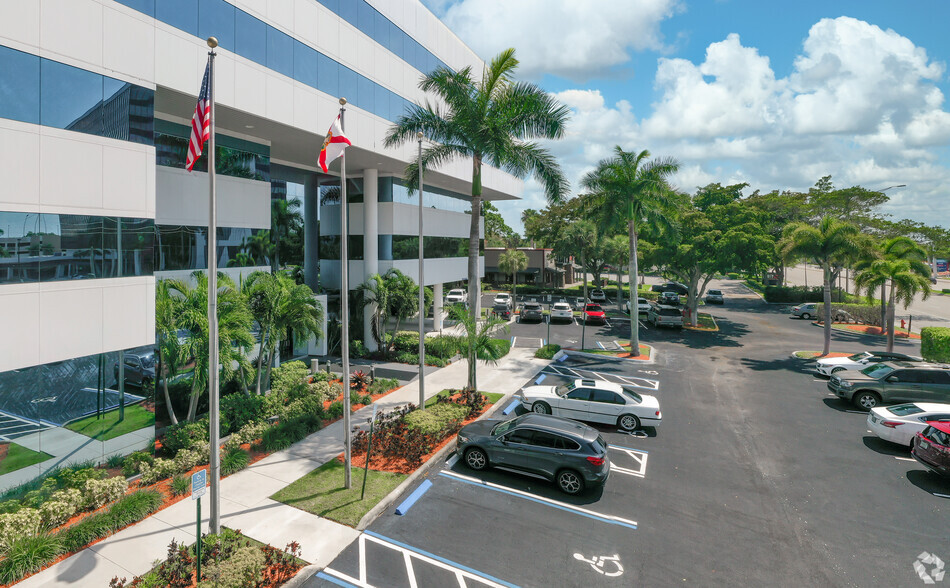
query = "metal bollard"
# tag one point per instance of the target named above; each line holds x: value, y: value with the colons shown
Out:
x: 372, y: 373
x: 314, y: 366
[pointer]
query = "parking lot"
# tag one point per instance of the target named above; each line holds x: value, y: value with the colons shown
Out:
x: 757, y: 477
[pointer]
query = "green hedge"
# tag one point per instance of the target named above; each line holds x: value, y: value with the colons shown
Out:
x: 867, y: 314
x: 505, y: 345
x: 935, y: 344
x: 548, y: 351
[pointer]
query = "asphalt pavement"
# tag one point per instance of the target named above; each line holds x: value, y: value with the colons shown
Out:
x: 757, y: 477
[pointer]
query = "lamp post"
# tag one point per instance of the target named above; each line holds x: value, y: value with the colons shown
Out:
x: 422, y: 294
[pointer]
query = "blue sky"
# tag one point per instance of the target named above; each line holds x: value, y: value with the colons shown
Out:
x: 772, y: 93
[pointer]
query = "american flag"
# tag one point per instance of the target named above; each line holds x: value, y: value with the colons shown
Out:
x: 200, y: 122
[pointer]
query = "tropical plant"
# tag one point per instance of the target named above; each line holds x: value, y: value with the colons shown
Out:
x: 493, y: 121
x: 476, y: 341
x: 629, y: 189
x: 392, y: 295
x: 511, y: 262
x: 171, y: 351
x: 285, y: 217
x: 903, y: 270
x: 827, y: 244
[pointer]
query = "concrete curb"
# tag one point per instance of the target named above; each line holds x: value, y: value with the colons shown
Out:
x: 612, y: 358
x: 303, y: 574
x: 423, y: 470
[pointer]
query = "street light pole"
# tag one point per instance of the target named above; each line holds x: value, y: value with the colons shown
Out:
x: 422, y: 294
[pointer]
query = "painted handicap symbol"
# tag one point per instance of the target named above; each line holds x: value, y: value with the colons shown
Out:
x: 931, y: 576
x: 599, y: 564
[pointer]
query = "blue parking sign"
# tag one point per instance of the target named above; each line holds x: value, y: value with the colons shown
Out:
x: 199, y: 481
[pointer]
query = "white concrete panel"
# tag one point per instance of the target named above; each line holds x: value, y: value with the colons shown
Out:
x: 366, y: 55
x: 348, y: 51
x: 328, y: 32
x: 280, y: 99
x: 305, y: 108
x: 256, y: 7
x: 70, y: 172
x: 327, y: 109
x: 179, y: 62
x: 125, y: 185
x: 366, y: 128
x: 128, y: 44
x: 249, y: 88
x: 182, y: 199
x: 306, y: 26
x: 224, y: 65
x: 70, y: 322
x: 20, y: 21
x: 281, y: 13
x: 20, y: 317
x: 72, y: 28
x: 19, y: 164
x: 125, y: 311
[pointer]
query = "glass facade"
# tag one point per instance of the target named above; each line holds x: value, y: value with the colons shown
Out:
x: 233, y: 157
x: 329, y: 247
x: 44, y: 247
x: 394, y: 190
x: 186, y: 247
x: 256, y: 40
x: 37, y: 403
x: 397, y: 247
x: 46, y: 92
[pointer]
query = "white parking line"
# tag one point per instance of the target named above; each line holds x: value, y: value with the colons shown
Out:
x: 638, y: 456
x: 905, y: 458
x: 635, y: 381
x: 941, y: 495
x: 513, y: 339
x: 452, y: 460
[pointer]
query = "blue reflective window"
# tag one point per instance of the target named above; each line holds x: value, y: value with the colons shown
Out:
x: 181, y: 14
x: 349, y: 10
x: 329, y: 75
x: 19, y: 85
x: 250, y: 37
x: 280, y: 52
x: 381, y: 26
x: 367, y: 93
x: 216, y: 19
x: 397, y: 40
x: 69, y: 97
x: 349, y: 85
x: 381, y: 102
x: 20, y: 245
x: 396, y: 106
x: 365, y: 18
x: 305, y: 64
x: 145, y: 6
x: 333, y: 5
x: 419, y: 57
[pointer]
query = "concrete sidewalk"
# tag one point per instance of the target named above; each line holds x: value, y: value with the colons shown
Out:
x: 245, y: 496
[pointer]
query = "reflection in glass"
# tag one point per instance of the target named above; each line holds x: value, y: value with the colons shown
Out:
x: 280, y: 52
x: 250, y: 37
x: 305, y: 64
x: 401, y: 247
x: 171, y: 150
x: 216, y: 19
x: 329, y: 248
x: 19, y: 85
x: 185, y: 247
x: 181, y: 14
x: 329, y: 75
x: 69, y: 97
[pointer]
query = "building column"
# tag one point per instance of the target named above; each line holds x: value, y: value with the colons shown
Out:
x: 370, y: 247
x: 437, y: 306
x: 311, y: 234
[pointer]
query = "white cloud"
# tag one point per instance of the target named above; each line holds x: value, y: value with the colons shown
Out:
x: 575, y: 40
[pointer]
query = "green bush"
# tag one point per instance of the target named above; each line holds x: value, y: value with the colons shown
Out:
x: 946, y: 291
x: 406, y: 341
x: 732, y: 276
x: 27, y: 555
x: 358, y: 349
x: 438, y: 418
x: 127, y: 510
x: 867, y: 314
x: 115, y: 461
x: 935, y: 344
x: 321, y: 376
x: 286, y: 433
x: 413, y: 358
x: 233, y: 461
x: 335, y: 410
x: 548, y: 351
x: 180, y: 485
x: 504, y: 346
x: 238, y: 410
x: 185, y: 435
x: 291, y: 379
x: 381, y: 385
x: 310, y: 405
x: 442, y: 346
x: 131, y: 465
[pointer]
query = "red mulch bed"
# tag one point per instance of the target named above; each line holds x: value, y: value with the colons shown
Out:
x: 871, y: 330
x: 4, y: 449
x: 375, y: 397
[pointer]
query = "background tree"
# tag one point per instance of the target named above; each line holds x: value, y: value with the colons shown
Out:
x: 171, y: 355
x: 476, y: 341
x: 511, y: 262
x: 497, y: 231
x: 581, y: 239
x: 394, y: 296
x: 285, y: 219
x: 618, y: 254
x: 631, y: 189
x: 827, y: 244
x: 493, y: 120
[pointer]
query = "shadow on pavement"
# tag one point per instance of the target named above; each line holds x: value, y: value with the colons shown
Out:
x: 839, y: 404
x: 529, y: 484
x: 761, y: 365
x: 929, y: 481
x: 883, y: 447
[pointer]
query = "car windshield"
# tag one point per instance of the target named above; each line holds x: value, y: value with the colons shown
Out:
x: 715, y: 292
x: 877, y: 371
x: 502, y: 428
x: 594, y: 308
x: 561, y: 306
x: 633, y: 395
x: 904, y: 409
x: 148, y: 360
x: 532, y: 307
x: 564, y: 389
x: 857, y: 356
x: 641, y: 300
x: 501, y: 306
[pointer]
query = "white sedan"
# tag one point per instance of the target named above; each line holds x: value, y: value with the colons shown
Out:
x: 595, y: 401
x: 901, y: 422
x: 503, y: 298
x: 859, y: 361
x: 562, y: 311
x: 643, y: 306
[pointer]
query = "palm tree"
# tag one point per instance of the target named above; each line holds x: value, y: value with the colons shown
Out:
x: 511, y: 262
x: 491, y: 121
x: 827, y: 245
x: 394, y: 295
x: 168, y: 345
x: 234, y: 331
x: 631, y: 190
x: 285, y: 217
x: 903, y: 267
x: 476, y: 341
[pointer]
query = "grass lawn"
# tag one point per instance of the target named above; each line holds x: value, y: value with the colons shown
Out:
x: 706, y: 323
x: 19, y: 457
x: 321, y: 492
x: 492, y: 397
x: 109, y: 425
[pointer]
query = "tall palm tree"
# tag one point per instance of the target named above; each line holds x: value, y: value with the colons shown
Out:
x: 476, y: 341
x: 285, y: 216
x: 375, y: 291
x: 394, y: 295
x: 630, y: 189
x: 903, y: 270
x: 827, y: 245
x: 491, y: 121
x: 511, y: 262
x: 168, y: 345
x: 234, y: 331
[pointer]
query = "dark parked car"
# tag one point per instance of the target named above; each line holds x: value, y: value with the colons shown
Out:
x: 680, y: 289
x: 531, y: 311
x: 139, y: 369
x: 560, y: 450
x: 932, y: 448
x: 893, y: 381
x: 501, y: 310
x: 669, y: 298
x: 715, y: 297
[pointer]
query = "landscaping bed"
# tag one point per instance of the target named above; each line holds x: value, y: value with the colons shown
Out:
x: 706, y: 323
x: 817, y: 354
x: 646, y: 352
x: 873, y: 330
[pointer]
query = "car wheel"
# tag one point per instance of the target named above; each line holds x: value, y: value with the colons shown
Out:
x: 541, y: 408
x: 628, y: 422
x: 805, y: 316
x: 476, y: 459
x: 866, y: 400
x: 837, y: 369
x: 570, y: 482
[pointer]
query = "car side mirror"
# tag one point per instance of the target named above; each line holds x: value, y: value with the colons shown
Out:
x: 891, y: 379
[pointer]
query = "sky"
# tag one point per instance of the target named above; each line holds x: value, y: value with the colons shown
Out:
x: 775, y: 94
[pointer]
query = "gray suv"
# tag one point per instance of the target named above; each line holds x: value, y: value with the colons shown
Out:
x: 560, y: 450
x: 893, y: 381
x: 139, y: 369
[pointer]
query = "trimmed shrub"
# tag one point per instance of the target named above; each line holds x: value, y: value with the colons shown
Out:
x: 251, y: 432
x: 732, y: 276
x: 180, y: 485
x: 504, y: 346
x: 867, y: 314
x: 291, y: 379
x: 238, y: 410
x: 945, y: 291
x: 310, y: 405
x: 321, y: 377
x: 321, y: 390
x: 24, y: 522
x: 243, y: 568
x: 130, y: 466
x: 442, y: 346
x: 935, y: 344
x: 438, y: 418
x: 186, y: 459
x: 27, y: 555
x: 334, y: 411
x: 96, y: 493
x: 115, y: 461
x: 381, y: 385
x: 234, y: 460
x: 358, y: 349
x: 548, y: 351
x: 406, y: 341
x: 159, y: 470
x: 185, y: 435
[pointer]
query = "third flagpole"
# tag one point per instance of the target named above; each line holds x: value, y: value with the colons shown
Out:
x: 422, y: 295
x: 344, y: 310
x: 214, y: 467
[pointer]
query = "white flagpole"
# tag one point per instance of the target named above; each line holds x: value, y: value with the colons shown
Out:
x: 214, y: 468
x: 422, y: 295
x: 345, y: 310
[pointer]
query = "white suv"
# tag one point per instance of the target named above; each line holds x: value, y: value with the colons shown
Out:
x: 503, y: 298
x: 456, y: 296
